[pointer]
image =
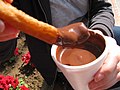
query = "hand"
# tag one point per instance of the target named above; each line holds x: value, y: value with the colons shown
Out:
x: 109, y: 74
x: 7, y: 32
x: 9, y: 1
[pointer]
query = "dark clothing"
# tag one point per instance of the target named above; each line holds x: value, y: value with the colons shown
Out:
x: 7, y: 50
x: 99, y: 16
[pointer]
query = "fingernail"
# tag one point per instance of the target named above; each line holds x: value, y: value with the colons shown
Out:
x: 99, y: 77
x: 2, y: 26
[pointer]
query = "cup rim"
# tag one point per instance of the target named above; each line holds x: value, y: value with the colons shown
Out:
x: 53, y: 54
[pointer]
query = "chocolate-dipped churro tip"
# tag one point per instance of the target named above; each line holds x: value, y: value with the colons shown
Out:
x: 73, y: 34
x: 69, y: 35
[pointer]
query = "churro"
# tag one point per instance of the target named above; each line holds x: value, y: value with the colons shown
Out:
x: 28, y: 24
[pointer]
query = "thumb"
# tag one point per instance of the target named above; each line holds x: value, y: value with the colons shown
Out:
x: 2, y: 26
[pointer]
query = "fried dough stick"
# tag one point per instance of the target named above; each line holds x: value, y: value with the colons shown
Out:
x: 28, y: 24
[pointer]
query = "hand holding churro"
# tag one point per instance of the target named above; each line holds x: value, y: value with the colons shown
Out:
x: 7, y: 32
x: 43, y: 31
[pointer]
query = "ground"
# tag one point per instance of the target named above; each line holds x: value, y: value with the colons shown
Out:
x: 15, y: 68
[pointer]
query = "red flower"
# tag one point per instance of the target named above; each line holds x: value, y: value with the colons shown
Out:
x: 4, y: 86
x: 9, y: 81
x: 23, y: 88
x: 1, y: 86
x: 1, y: 77
x: 16, y: 52
x: 15, y: 83
x: 26, y: 58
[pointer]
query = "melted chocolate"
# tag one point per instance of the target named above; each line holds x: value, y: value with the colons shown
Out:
x: 82, y: 53
x: 73, y: 34
x: 75, y: 56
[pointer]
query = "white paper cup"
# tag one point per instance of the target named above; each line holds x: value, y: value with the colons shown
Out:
x: 80, y: 76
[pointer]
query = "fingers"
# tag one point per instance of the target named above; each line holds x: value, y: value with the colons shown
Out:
x: 15, y: 33
x: 118, y: 68
x: 2, y: 26
x: 8, y: 32
x: 8, y: 29
x: 9, y: 1
x: 109, y: 74
x: 106, y: 82
x: 8, y: 37
x: 104, y: 85
x: 107, y: 69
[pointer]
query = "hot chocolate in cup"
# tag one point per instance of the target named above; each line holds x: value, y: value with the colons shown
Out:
x: 81, y: 62
x: 81, y: 54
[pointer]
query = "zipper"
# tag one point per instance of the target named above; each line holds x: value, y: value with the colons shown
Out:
x: 43, y: 11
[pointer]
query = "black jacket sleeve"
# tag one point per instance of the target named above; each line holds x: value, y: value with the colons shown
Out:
x: 101, y: 16
x: 7, y: 49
